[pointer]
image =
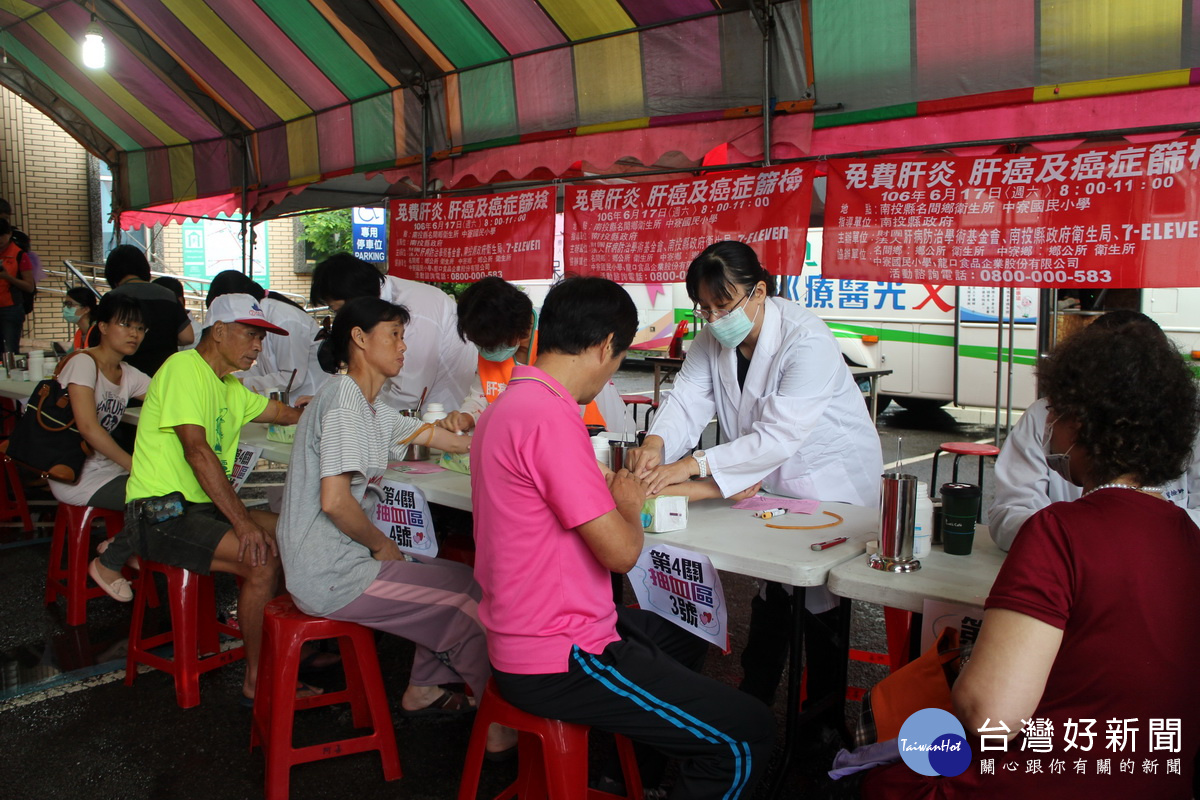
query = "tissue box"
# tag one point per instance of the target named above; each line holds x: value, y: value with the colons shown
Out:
x: 663, y: 513
x: 281, y: 433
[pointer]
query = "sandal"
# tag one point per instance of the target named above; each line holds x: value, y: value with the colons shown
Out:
x: 131, y: 562
x: 448, y: 704
x: 118, y: 590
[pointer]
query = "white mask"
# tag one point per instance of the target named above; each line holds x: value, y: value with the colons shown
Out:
x: 1059, y: 463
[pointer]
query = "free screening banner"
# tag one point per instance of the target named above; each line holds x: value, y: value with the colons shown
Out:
x: 650, y: 232
x: 1121, y: 216
x: 682, y: 586
x: 403, y: 515
x: 509, y: 235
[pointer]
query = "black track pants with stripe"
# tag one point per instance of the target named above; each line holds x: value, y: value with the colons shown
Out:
x: 645, y: 687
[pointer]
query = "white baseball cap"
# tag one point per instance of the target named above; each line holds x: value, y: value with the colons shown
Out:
x: 239, y: 308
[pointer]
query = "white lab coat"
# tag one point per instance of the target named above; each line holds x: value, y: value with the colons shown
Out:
x: 281, y: 354
x: 436, y: 357
x: 800, y: 425
x: 1025, y: 484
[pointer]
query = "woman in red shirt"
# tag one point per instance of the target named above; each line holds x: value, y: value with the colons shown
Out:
x: 1082, y: 682
x: 16, y: 272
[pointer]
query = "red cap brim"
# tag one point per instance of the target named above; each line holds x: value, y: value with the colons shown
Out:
x: 258, y: 323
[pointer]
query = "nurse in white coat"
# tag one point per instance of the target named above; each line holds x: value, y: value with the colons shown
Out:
x: 1027, y: 481
x: 793, y: 417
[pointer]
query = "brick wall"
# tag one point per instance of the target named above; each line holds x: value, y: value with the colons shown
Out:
x: 44, y: 174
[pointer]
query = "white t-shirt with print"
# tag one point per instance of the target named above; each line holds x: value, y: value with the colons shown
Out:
x: 111, y: 401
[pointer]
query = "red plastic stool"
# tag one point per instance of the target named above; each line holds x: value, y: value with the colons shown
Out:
x: 636, y: 400
x: 195, y: 632
x: 960, y: 449
x: 285, y: 630
x: 12, y: 495
x: 72, y: 533
x: 553, y: 756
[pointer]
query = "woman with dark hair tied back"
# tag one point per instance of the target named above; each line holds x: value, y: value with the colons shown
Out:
x: 1091, y: 624
x: 78, y: 304
x: 791, y: 415
x: 337, y: 563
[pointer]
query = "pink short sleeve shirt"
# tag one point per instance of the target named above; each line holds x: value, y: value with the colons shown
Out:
x: 534, y: 480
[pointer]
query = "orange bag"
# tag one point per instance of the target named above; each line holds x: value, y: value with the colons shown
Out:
x: 922, y: 683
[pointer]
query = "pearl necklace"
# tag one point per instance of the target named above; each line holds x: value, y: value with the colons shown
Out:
x: 1159, y: 489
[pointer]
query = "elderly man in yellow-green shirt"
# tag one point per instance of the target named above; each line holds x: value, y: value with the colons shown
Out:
x: 181, y: 506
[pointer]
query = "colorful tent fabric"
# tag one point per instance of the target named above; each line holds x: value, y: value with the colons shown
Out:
x: 309, y: 90
x: 211, y: 97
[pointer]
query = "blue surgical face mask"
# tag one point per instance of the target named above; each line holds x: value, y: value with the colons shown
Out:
x: 71, y: 313
x: 732, y: 329
x: 497, y: 353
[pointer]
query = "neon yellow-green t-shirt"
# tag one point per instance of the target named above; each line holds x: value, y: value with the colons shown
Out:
x: 186, y: 391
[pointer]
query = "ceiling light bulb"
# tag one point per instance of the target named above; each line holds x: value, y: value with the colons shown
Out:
x: 94, y: 55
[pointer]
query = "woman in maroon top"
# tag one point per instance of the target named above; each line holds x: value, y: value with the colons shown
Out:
x: 1088, y: 650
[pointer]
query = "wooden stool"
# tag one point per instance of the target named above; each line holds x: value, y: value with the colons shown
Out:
x: 553, y: 756
x: 195, y: 632
x: 285, y: 630
x: 72, y: 534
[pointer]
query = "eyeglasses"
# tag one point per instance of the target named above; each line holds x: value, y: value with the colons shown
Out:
x: 718, y: 313
x: 133, y: 326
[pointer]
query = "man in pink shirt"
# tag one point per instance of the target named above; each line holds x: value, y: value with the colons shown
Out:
x: 549, y: 529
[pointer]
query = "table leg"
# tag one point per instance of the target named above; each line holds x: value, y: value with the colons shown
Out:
x: 914, y: 636
x: 795, y: 670
x: 657, y: 381
x: 874, y: 397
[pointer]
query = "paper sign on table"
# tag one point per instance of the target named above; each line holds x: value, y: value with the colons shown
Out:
x: 403, y: 515
x: 416, y: 467
x: 243, y: 464
x: 761, y: 503
x: 938, y: 615
x: 682, y: 586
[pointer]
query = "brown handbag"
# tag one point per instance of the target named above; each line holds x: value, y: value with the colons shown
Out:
x: 45, y: 438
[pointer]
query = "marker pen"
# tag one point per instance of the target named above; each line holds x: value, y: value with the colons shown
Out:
x: 829, y: 544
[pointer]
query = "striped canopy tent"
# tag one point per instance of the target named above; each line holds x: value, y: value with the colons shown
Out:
x: 276, y: 106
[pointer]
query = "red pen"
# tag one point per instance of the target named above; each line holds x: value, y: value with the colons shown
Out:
x: 829, y: 544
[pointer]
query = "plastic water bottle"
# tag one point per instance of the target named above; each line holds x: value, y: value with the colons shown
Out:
x: 434, y: 412
x: 923, y: 525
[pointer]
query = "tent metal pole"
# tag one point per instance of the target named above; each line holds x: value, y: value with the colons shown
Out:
x: 246, y: 269
x: 1012, y: 327
x: 767, y: 22
x: 424, y: 140
x: 999, y: 355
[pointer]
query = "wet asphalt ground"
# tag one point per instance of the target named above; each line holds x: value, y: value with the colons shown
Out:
x: 70, y: 728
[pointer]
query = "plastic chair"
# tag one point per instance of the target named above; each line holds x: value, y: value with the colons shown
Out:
x: 12, y: 495
x: 285, y: 630
x: 72, y: 535
x: 195, y: 631
x: 553, y: 756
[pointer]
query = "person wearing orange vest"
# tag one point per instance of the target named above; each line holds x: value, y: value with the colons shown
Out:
x: 499, y: 319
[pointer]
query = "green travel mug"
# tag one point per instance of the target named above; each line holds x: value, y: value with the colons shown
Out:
x: 960, y: 509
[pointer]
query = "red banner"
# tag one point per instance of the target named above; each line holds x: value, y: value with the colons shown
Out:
x: 464, y: 239
x: 650, y: 232
x: 1123, y: 216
